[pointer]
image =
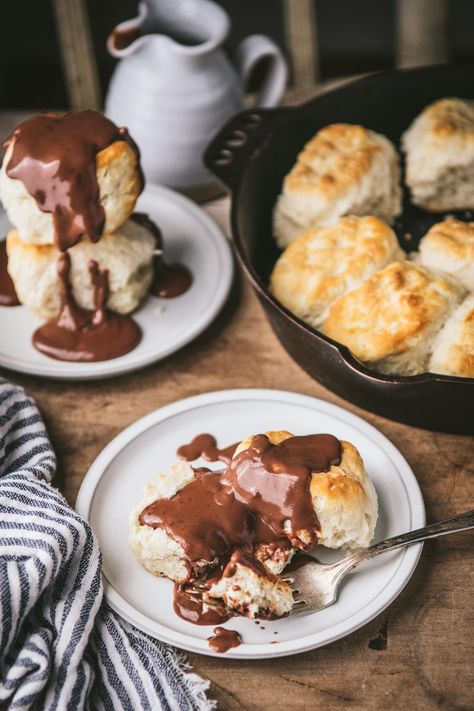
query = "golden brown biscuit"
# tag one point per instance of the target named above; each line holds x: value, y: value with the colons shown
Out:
x: 343, y: 170
x: 325, y: 262
x: 344, y: 497
x: 119, y: 180
x: 449, y: 247
x: 391, y: 319
x: 453, y: 350
x: 439, y: 148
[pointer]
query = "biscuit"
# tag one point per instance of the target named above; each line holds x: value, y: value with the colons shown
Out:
x: 343, y: 170
x: 127, y: 254
x: 449, y: 247
x: 248, y: 589
x: 119, y: 180
x: 453, y: 349
x: 325, y: 262
x: 391, y: 319
x: 439, y: 147
x: 344, y: 498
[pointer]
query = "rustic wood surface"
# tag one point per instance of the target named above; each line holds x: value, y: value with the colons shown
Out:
x: 428, y: 632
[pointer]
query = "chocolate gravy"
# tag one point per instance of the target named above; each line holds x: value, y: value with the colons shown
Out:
x: 274, y: 481
x: 190, y: 606
x: 203, y: 517
x: 223, y: 640
x: 171, y: 280
x: 205, y: 446
x: 220, y: 517
x: 54, y: 156
x: 78, y: 334
x: 8, y: 295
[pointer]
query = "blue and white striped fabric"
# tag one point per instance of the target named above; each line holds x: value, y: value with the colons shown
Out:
x: 61, y: 647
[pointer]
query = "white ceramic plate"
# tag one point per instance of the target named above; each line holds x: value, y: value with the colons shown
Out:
x: 191, y: 237
x: 114, y: 484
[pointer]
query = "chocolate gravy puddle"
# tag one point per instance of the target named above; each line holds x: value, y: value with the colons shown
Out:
x: 8, y: 295
x: 223, y: 640
x: 81, y: 335
x: 205, y: 446
x: 274, y: 481
x: 54, y: 156
x: 171, y: 280
x: 190, y: 607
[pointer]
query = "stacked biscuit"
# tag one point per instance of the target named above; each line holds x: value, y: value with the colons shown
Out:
x: 345, y: 503
x: 347, y: 274
x: 125, y: 247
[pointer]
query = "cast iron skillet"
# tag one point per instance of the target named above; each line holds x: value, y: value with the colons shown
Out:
x: 251, y: 155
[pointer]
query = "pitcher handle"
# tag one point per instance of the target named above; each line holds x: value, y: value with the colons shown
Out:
x: 249, y: 52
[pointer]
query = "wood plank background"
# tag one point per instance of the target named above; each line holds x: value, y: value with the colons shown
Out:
x: 427, y: 632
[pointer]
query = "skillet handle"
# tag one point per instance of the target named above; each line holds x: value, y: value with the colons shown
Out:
x: 237, y: 141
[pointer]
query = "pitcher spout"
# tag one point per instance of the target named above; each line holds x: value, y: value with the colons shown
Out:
x: 129, y: 35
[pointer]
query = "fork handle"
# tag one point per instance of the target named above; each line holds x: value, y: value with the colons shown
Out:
x: 461, y: 522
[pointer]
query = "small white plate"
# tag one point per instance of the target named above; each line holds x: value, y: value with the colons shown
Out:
x: 190, y: 237
x: 114, y: 484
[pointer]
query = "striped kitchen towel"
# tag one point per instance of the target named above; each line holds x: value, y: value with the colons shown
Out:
x: 61, y: 646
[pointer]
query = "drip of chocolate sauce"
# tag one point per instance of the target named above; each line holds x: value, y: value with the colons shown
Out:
x: 190, y: 607
x: 171, y: 280
x: 205, y: 446
x: 220, y: 517
x: 8, y: 295
x: 81, y: 335
x: 54, y: 156
x: 274, y: 481
x: 223, y: 640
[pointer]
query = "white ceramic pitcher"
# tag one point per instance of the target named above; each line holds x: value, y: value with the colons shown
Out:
x: 174, y: 86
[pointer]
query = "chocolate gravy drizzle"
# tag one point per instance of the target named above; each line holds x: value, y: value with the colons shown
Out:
x: 189, y: 606
x: 8, y: 295
x: 54, y: 156
x: 81, y: 335
x: 223, y: 640
x: 205, y: 446
x: 274, y: 480
x: 171, y: 280
x: 220, y: 517
x: 204, y: 517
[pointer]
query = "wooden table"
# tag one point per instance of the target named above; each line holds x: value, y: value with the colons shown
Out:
x: 428, y: 631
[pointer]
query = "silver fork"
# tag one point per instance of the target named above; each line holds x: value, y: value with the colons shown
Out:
x: 315, y: 585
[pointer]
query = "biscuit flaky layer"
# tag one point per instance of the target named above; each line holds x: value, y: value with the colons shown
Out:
x: 391, y: 319
x: 326, y: 262
x: 344, y: 169
x: 439, y: 148
x: 119, y: 180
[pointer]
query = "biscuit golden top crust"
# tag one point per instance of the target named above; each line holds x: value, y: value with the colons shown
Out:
x: 324, y: 262
x: 451, y: 238
x: 342, y: 482
x: 335, y: 158
x: 450, y: 118
x: 391, y: 311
